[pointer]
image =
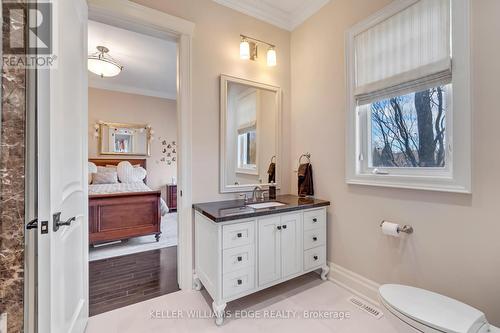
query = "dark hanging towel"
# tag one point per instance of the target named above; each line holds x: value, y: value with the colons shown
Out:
x: 272, y: 173
x: 306, y: 186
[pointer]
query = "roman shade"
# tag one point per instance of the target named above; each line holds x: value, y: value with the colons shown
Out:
x: 408, y: 52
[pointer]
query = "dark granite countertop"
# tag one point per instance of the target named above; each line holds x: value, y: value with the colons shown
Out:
x: 224, y: 211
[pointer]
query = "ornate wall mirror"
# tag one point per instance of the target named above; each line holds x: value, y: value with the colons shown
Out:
x: 250, y: 117
x: 124, y: 139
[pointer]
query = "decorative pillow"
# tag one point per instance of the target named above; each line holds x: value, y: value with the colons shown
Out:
x: 128, y: 174
x: 101, y: 169
x: 92, y: 170
x: 105, y: 178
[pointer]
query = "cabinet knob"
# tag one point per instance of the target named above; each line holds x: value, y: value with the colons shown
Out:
x: 315, y: 220
x: 239, y: 235
x: 240, y: 258
x: 316, y: 257
x: 284, y: 226
x: 279, y: 227
x: 240, y: 282
x: 315, y: 238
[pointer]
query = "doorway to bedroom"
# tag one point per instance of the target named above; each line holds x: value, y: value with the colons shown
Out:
x: 132, y: 149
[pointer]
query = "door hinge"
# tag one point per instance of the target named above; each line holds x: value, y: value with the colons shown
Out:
x: 181, y: 193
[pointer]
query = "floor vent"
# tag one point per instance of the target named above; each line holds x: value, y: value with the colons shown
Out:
x: 363, y: 305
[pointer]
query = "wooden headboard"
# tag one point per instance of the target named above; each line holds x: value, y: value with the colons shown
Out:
x: 104, y: 162
x: 108, y: 161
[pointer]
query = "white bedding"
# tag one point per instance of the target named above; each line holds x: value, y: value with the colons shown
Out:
x: 124, y: 188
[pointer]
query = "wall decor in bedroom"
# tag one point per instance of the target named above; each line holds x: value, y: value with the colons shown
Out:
x: 169, y: 152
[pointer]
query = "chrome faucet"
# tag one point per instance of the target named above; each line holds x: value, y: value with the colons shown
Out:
x: 257, y: 189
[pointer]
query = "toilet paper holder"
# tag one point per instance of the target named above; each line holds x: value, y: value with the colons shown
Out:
x: 407, y: 229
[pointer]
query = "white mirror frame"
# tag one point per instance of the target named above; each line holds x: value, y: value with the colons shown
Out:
x: 224, y: 82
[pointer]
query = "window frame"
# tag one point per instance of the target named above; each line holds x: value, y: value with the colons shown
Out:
x: 456, y: 175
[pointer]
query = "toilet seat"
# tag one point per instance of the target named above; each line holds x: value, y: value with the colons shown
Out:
x: 431, y: 312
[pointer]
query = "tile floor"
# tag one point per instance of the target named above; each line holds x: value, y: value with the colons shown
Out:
x: 307, y: 293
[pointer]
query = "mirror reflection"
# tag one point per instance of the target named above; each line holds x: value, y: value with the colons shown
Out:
x: 251, y: 119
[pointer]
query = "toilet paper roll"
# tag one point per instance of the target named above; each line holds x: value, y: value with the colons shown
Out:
x: 390, y: 229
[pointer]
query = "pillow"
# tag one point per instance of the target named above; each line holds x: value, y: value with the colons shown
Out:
x: 92, y: 170
x: 105, y: 178
x: 101, y: 169
x: 128, y: 174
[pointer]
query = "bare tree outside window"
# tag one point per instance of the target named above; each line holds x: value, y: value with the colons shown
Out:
x: 409, y: 131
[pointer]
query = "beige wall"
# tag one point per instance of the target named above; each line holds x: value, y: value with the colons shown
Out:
x: 216, y: 51
x: 456, y: 248
x: 112, y: 106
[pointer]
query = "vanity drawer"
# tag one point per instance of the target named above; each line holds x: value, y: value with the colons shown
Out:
x: 313, y: 238
x: 315, y: 219
x: 314, y: 257
x: 238, y: 282
x: 237, y: 258
x: 238, y: 234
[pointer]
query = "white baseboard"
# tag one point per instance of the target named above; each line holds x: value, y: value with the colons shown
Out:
x: 355, y: 283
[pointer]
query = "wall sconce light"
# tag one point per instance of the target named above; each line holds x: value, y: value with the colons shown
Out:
x: 271, y: 57
x: 249, y: 50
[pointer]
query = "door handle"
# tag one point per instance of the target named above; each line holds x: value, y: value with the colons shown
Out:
x: 57, y: 221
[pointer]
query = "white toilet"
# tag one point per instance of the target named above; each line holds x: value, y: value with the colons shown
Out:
x: 413, y: 310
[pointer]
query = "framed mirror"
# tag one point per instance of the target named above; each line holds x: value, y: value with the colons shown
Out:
x: 250, y: 132
x: 124, y: 139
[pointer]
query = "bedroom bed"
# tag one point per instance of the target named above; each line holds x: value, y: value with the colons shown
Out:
x: 121, y: 211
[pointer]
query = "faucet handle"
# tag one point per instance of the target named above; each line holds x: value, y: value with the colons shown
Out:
x: 243, y: 196
x: 263, y: 194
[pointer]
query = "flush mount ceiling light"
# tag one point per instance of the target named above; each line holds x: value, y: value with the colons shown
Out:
x: 102, y: 64
x: 249, y: 50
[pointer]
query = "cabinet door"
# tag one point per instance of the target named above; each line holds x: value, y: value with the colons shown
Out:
x: 269, y: 250
x: 291, y: 244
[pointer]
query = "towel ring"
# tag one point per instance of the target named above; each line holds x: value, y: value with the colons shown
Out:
x: 306, y: 155
x: 273, y: 159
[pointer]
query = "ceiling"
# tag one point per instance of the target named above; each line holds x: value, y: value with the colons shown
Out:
x: 286, y: 14
x: 150, y: 63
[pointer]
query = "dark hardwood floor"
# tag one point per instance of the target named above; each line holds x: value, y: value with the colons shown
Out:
x: 121, y: 281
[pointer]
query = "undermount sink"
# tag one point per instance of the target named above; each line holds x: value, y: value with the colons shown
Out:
x: 238, y: 211
x: 266, y: 205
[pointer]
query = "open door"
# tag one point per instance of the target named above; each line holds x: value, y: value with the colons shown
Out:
x: 62, y: 176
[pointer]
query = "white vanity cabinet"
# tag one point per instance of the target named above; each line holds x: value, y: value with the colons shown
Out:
x: 239, y: 257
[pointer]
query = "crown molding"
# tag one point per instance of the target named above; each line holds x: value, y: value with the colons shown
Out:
x: 101, y: 84
x: 275, y: 16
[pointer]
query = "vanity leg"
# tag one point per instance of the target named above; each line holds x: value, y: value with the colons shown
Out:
x: 197, y: 285
x: 157, y: 236
x: 219, y: 312
x: 324, y: 272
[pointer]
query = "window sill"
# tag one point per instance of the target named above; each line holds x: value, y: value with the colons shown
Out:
x: 413, y: 183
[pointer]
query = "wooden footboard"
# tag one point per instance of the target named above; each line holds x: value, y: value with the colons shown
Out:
x: 123, y: 215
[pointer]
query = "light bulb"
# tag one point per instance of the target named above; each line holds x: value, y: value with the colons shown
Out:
x: 271, y: 57
x: 244, y: 49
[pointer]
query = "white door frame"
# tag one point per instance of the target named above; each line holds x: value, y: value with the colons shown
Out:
x: 132, y: 16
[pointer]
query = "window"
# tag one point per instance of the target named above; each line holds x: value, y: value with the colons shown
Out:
x: 408, y: 93
x: 247, y: 150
